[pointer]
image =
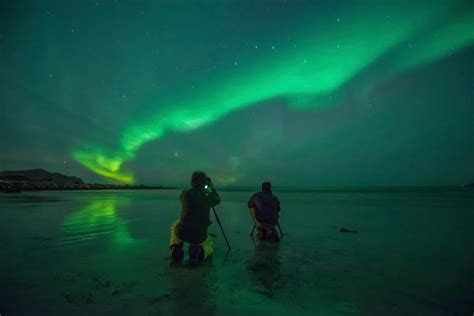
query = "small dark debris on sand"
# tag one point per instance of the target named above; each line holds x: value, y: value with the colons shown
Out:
x: 159, y: 299
x: 124, y: 288
x: 82, y: 298
x: 101, y: 282
x: 347, y: 230
x: 88, y: 298
x: 129, y: 285
x: 71, y: 299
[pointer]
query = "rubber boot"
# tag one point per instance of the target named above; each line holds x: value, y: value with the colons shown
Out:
x: 272, y: 235
x: 177, y: 253
x: 196, y: 254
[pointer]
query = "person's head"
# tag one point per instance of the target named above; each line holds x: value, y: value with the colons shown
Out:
x: 198, y: 178
x: 266, y: 187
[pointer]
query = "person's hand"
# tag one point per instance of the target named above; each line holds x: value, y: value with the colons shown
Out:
x: 210, y: 184
x: 257, y: 223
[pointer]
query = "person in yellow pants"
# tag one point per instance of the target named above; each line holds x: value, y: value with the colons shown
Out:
x: 192, y: 225
x: 207, y: 245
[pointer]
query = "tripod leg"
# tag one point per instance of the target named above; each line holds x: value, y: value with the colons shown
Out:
x: 279, y: 227
x: 220, y: 225
x: 253, y: 229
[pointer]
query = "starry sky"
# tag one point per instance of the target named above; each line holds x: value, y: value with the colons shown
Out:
x: 302, y: 93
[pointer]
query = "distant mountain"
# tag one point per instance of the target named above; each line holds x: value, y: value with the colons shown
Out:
x: 42, y: 180
x: 35, y: 175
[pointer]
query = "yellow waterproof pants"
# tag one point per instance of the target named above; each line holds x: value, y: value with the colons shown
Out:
x: 207, y: 245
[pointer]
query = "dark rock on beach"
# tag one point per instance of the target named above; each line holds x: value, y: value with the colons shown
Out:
x: 347, y: 230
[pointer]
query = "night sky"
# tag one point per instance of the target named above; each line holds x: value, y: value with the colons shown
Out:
x: 305, y: 94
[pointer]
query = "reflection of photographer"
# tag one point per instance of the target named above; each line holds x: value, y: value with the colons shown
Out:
x: 192, y: 226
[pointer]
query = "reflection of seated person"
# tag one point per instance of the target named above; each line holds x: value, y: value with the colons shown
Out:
x: 264, y: 268
x: 264, y: 209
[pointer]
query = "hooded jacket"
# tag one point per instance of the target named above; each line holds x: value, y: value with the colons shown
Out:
x: 196, y: 205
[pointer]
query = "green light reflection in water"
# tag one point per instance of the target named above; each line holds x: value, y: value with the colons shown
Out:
x: 97, y: 221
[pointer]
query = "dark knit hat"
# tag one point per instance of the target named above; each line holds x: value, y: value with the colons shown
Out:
x: 266, y: 187
x: 198, y: 178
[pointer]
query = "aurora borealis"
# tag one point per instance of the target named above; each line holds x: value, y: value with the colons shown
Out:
x: 304, y: 93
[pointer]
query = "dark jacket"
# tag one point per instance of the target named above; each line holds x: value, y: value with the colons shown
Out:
x: 267, y: 207
x: 196, y: 205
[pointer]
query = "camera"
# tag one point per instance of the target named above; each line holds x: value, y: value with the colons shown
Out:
x: 207, y: 185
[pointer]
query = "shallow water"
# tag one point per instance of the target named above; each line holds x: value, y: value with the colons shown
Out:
x: 106, y: 252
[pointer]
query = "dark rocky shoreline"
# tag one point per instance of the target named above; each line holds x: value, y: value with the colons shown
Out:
x: 26, y: 186
x: 42, y: 180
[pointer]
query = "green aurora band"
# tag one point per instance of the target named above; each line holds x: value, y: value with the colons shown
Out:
x: 323, y: 61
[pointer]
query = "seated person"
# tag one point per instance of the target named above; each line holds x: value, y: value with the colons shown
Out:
x: 264, y: 208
